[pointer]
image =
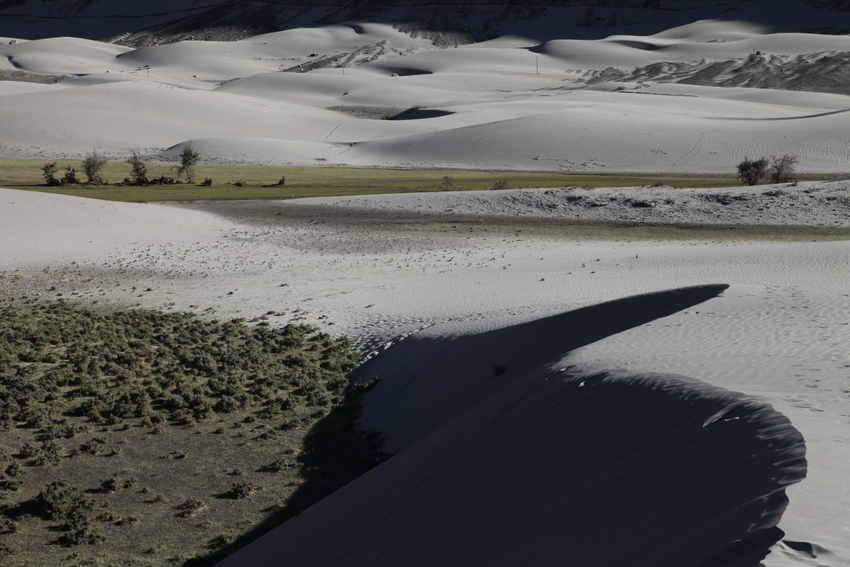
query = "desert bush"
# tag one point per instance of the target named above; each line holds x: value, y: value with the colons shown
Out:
x: 93, y: 446
x: 61, y: 501
x: 70, y: 177
x: 129, y: 521
x: 15, y: 469
x: 206, y: 182
x: 29, y: 450
x: 283, y: 463
x: 783, y: 169
x: 446, y: 183
x: 499, y: 185
x: 10, y: 486
x: 752, y: 172
x: 47, y: 452
x: 139, y: 171
x: 48, y: 170
x: 9, y: 527
x: 6, y: 550
x: 110, y: 485
x: 92, y: 165
x: 191, y: 507
x: 85, y: 535
x: 50, y: 453
x: 188, y: 160
x: 240, y: 490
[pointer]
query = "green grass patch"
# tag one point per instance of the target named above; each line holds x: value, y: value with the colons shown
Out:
x: 145, y: 438
x: 261, y: 182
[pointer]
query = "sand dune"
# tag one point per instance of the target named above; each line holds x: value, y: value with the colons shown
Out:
x: 612, y: 104
x: 632, y: 426
x: 541, y: 466
x: 436, y: 310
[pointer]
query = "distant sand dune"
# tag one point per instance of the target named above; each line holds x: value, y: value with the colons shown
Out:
x: 723, y: 91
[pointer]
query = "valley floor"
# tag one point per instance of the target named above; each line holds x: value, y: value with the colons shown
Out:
x: 392, y: 271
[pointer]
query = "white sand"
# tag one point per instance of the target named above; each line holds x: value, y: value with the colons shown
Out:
x: 509, y: 103
x: 779, y: 333
x: 634, y: 467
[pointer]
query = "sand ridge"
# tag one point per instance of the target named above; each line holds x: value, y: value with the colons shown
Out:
x: 626, y: 102
x: 401, y: 278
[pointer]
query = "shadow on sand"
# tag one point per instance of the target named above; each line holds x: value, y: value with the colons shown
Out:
x: 544, y: 465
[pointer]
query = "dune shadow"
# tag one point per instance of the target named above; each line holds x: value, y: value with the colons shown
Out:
x: 427, y: 381
x: 422, y: 114
x: 333, y: 455
x: 540, y: 465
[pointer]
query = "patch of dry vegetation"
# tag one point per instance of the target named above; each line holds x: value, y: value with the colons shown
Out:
x: 145, y: 438
x: 243, y: 182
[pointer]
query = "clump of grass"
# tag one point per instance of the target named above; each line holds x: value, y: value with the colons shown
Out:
x: 241, y: 490
x: 191, y: 507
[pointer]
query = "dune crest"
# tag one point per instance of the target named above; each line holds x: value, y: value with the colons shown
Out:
x: 544, y: 465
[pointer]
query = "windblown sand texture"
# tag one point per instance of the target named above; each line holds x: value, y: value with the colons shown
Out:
x: 667, y: 398
x: 621, y: 103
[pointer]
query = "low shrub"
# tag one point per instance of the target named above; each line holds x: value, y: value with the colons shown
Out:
x: 70, y: 177
x: 86, y: 535
x: 6, y: 550
x: 240, y: 490
x: 138, y: 172
x: 48, y: 170
x: 92, y: 165
x: 752, y: 172
x: 191, y: 507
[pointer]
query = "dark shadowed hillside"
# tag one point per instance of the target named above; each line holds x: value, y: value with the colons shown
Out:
x: 447, y: 23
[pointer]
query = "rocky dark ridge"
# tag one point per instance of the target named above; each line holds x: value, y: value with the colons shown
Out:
x: 446, y: 22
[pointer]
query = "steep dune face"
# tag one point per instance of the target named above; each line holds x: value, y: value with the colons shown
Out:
x: 446, y: 376
x: 544, y: 465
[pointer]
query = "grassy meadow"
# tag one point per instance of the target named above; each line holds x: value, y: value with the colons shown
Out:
x: 231, y: 182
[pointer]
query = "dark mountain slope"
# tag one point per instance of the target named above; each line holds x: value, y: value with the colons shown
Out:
x: 447, y: 23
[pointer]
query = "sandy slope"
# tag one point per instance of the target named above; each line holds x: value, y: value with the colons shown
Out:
x: 612, y: 104
x: 468, y: 295
x: 803, y: 204
x: 439, y: 288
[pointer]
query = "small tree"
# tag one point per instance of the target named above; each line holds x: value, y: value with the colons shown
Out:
x: 139, y: 173
x: 499, y: 185
x: 447, y: 183
x: 92, y: 164
x: 783, y: 169
x: 70, y: 177
x: 188, y: 159
x: 752, y: 172
x: 48, y: 170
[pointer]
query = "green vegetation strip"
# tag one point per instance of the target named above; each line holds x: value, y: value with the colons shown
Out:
x: 263, y: 182
x: 144, y: 438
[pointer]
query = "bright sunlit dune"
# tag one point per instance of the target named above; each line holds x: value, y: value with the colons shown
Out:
x: 561, y: 105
